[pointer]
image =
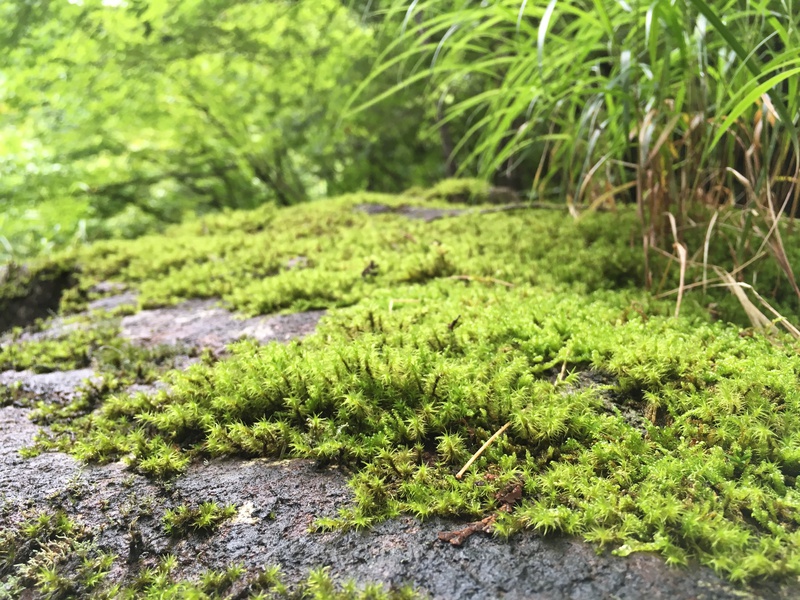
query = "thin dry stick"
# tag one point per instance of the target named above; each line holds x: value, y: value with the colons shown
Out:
x: 475, y: 456
x: 563, y: 370
x: 706, y: 245
x: 682, y: 258
x: 779, y: 317
x: 758, y: 319
x: 690, y: 286
x: 523, y: 206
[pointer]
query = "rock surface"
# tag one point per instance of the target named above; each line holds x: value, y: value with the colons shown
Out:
x: 277, y: 502
x: 203, y: 324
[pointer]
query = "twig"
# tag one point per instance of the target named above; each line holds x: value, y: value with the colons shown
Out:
x: 706, y: 245
x: 682, y: 256
x: 475, y: 456
x: 563, y: 370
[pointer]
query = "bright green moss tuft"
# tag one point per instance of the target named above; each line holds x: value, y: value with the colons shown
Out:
x: 204, y: 518
x: 688, y: 448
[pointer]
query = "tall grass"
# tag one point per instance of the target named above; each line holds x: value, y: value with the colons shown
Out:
x: 680, y: 106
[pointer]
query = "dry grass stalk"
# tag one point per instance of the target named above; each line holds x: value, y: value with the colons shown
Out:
x: 758, y: 319
x: 488, y: 443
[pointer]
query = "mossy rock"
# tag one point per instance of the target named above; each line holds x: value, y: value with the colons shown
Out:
x: 622, y: 423
x: 466, y: 191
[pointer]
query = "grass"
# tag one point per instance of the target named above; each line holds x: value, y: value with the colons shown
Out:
x: 629, y: 426
x: 677, y: 107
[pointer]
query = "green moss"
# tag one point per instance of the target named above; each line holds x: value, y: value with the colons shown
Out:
x: 53, y: 555
x: 629, y: 427
x: 85, y: 341
x: 74, y: 349
x: 459, y: 191
x: 317, y: 257
x: 707, y: 469
x: 159, y: 582
x: 204, y: 518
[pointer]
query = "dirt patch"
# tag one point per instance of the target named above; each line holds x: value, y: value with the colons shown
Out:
x: 59, y: 386
x: 111, y: 302
x: 28, y: 482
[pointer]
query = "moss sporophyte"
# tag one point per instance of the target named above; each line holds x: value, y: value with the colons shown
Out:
x: 626, y: 426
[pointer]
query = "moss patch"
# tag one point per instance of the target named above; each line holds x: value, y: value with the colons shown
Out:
x: 204, y: 518
x: 320, y: 256
x: 54, y: 556
x: 634, y: 429
x: 158, y: 582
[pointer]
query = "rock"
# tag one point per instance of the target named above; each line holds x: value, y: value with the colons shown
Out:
x: 203, y: 324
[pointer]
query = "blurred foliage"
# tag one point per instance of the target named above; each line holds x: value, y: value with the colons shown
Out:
x: 118, y: 116
x: 678, y: 106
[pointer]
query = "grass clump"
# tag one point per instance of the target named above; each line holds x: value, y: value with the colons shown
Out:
x: 204, y: 518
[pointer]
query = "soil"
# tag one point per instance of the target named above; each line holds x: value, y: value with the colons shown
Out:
x: 277, y: 502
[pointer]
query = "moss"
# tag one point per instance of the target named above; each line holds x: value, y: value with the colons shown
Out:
x: 629, y: 427
x: 86, y: 341
x: 708, y: 471
x: 53, y: 555
x: 159, y: 582
x: 204, y: 518
x: 460, y: 191
x: 455, y: 191
x: 73, y: 349
x: 465, y: 191
x: 317, y: 258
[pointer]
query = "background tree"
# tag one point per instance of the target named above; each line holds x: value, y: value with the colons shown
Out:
x: 124, y: 115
